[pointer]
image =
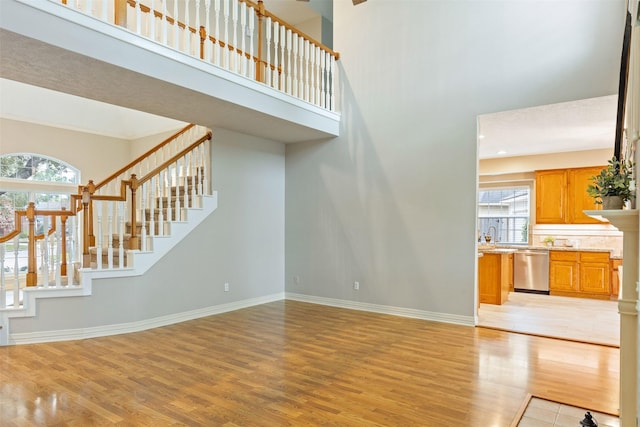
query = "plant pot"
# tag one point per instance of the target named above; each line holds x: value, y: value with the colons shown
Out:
x: 612, y: 202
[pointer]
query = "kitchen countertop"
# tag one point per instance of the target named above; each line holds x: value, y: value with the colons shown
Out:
x: 514, y: 248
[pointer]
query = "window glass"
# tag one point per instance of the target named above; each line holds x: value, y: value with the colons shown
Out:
x: 503, y: 215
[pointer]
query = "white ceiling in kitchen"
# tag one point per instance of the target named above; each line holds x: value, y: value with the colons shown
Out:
x: 586, y: 124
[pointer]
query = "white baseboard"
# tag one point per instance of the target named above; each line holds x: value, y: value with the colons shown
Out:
x: 124, y: 328
x: 385, y: 309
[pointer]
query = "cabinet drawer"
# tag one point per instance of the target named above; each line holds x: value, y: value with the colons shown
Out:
x: 563, y: 256
x: 594, y: 256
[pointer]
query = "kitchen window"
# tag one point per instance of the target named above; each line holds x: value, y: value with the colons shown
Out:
x: 503, y: 214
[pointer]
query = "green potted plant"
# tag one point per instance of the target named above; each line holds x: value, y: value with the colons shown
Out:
x: 612, y: 187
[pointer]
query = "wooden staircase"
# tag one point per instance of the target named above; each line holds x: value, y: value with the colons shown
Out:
x: 164, y: 192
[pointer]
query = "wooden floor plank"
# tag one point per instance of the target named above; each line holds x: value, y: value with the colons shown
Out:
x: 289, y: 363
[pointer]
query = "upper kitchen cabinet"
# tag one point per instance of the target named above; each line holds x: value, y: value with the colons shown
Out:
x: 561, y: 196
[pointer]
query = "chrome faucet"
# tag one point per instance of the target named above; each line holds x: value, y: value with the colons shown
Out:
x: 494, y: 233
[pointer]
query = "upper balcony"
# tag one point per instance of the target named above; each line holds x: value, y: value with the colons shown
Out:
x: 219, y: 63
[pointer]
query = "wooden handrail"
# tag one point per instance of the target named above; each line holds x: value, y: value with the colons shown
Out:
x: 273, y: 17
x: 164, y: 165
x: 142, y: 156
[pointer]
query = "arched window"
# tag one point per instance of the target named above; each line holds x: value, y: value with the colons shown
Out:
x: 26, y: 177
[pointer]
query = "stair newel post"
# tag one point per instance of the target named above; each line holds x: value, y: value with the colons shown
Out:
x: 32, y: 276
x: 92, y: 189
x: 86, y: 257
x: 134, y: 243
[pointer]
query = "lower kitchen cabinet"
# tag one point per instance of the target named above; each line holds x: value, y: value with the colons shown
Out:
x: 495, y: 276
x: 579, y: 274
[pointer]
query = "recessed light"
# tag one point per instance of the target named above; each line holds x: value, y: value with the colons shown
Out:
x: 502, y: 152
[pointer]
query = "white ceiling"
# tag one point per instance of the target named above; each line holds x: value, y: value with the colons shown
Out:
x: 587, y: 124
x: 23, y: 102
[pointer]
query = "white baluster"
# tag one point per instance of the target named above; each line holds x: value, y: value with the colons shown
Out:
x: 332, y: 103
x: 323, y: 76
x: 176, y: 27
x: 16, y: 272
x: 58, y: 264
x: 276, y: 39
x: 152, y: 208
x: 187, y: 32
x: 110, y: 234
x: 88, y: 7
x: 314, y: 59
x: 207, y: 43
x: 301, y: 65
x: 165, y: 24
x: 267, y: 79
x: 243, y: 28
x: 121, y: 226
x: 152, y: 21
x: 185, y: 178
x: 71, y: 248
x: 160, y: 205
x: 236, y: 62
x: 216, y: 32
x: 138, y: 18
x: 318, y: 73
x: 282, y: 50
x: 205, y: 170
x: 306, y: 70
x: 98, y: 206
x: 289, y: 87
x: 197, y: 28
x: 226, y: 34
x: 105, y: 12
x: 143, y: 217
x: 252, y: 64
x: 200, y: 150
x: 177, y: 189
x: 192, y: 178
x: 294, y: 92
x: 170, y: 215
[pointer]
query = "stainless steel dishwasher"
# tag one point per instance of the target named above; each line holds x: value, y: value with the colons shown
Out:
x: 531, y: 271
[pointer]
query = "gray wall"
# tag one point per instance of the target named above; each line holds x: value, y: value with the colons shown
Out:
x: 392, y: 201
x: 241, y: 243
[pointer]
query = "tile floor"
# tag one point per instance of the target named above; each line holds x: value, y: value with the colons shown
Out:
x: 545, y: 413
x: 578, y: 319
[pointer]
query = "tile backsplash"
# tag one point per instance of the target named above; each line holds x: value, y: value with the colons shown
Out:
x: 586, y: 236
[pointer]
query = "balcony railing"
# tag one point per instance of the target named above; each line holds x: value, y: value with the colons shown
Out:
x: 238, y: 35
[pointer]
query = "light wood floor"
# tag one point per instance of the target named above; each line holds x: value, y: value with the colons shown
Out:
x: 295, y: 364
x: 578, y: 319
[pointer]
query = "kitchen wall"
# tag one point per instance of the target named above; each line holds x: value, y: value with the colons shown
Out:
x: 511, y: 170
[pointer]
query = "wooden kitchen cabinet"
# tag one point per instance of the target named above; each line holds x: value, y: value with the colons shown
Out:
x: 580, y: 274
x: 551, y: 196
x: 561, y: 196
x: 563, y: 272
x: 493, y: 277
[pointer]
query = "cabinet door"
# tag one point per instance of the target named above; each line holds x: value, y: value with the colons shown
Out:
x: 551, y: 196
x: 563, y: 271
x: 579, y: 200
x: 563, y: 276
x: 594, y: 273
x: 489, y: 272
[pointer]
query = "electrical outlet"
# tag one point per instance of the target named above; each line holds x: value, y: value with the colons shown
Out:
x: 226, y: 287
x: 296, y: 280
x: 356, y: 286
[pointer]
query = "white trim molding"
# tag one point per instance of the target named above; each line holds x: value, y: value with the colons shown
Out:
x: 385, y: 309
